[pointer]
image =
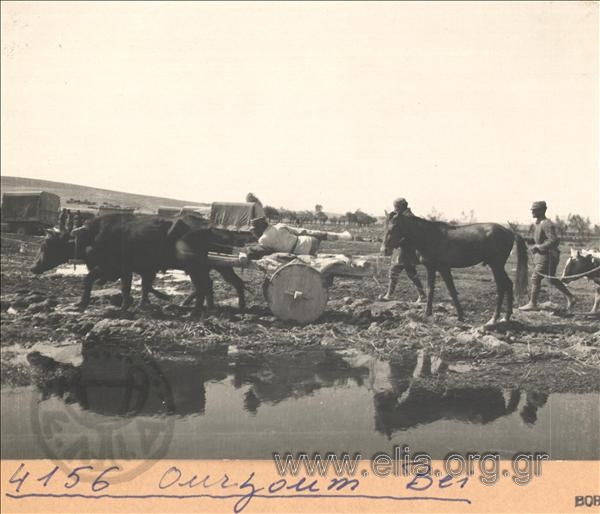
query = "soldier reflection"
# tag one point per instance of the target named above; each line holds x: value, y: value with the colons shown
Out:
x: 534, y: 401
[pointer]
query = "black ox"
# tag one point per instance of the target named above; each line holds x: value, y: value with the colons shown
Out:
x: 115, y: 246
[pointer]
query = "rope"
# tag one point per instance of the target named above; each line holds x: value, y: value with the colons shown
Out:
x: 570, y: 277
x: 574, y: 277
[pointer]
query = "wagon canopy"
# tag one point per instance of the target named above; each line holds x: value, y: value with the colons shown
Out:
x: 235, y: 216
x: 34, y: 206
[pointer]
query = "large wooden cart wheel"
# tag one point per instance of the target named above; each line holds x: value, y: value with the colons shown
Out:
x: 297, y: 292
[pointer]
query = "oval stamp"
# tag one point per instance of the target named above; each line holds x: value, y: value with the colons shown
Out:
x: 117, y: 405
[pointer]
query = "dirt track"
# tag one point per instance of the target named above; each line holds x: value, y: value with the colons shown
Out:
x: 549, y: 350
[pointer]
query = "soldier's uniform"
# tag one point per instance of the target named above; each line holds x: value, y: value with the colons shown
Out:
x: 69, y: 221
x: 283, y: 238
x: 77, y: 220
x: 62, y: 220
x: 546, y: 256
x: 404, y: 258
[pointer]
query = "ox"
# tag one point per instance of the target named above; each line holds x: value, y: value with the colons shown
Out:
x: 115, y: 246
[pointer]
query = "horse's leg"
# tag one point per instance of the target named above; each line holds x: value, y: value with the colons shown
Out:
x: 448, y: 280
x: 127, y: 300
x: 500, y: 289
x: 430, y: 289
x: 508, y: 288
x: 231, y: 277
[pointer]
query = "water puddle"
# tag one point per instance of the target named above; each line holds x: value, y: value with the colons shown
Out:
x: 94, y: 401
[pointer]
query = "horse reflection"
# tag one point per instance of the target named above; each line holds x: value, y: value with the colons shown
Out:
x: 408, y: 403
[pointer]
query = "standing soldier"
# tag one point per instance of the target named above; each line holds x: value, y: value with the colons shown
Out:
x: 77, y: 219
x: 404, y: 259
x: 546, y: 256
x: 69, y: 220
x: 62, y: 220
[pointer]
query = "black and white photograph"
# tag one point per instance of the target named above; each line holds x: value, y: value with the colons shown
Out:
x: 320, y: 235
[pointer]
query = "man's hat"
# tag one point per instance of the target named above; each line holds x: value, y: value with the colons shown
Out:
x: 400, y: 201
x: 538, y: 205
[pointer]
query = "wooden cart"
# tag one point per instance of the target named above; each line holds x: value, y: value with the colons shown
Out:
x: 296, y: 286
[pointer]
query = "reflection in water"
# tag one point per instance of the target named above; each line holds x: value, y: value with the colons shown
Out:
x: 535, y: 400
x: 255, y: 394
x: 408, y: 403
x: 112, y: 383
x: 418, y: 405
x: 275, y: 378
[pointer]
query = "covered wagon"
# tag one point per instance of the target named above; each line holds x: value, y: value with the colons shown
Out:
x: 29, y: 212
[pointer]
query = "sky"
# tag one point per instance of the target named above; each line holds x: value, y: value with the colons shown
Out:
x: 455, y: 106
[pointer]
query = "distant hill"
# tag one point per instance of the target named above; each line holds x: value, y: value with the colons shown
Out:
x: 91, y: 195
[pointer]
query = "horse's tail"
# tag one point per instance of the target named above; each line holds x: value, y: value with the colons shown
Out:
x: 522, y: 272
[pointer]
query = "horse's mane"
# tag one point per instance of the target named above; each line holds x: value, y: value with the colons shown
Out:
x: 436, y: 224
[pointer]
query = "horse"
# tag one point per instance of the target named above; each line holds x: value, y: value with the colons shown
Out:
x: 584, y: 261
x: 443, y: 246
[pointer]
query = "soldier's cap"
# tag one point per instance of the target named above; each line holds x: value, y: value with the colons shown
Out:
x: 262, y: 220
x: 400, y: 201
x: 538, y: 205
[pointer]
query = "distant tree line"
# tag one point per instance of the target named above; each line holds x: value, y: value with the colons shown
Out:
x: 317, y: 216
x: 464, y: 219
x: 81, y: 202
x: 573, y: 224
x: 576, y: 224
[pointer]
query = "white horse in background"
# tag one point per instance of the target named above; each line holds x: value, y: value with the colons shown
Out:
x: 584, y: 263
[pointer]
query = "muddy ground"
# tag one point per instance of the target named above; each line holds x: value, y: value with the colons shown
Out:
x: 550, y: 350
